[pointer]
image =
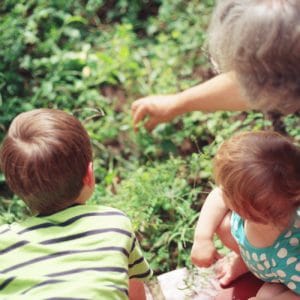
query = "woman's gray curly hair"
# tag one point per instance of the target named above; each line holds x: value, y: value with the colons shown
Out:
x: 260, y: 41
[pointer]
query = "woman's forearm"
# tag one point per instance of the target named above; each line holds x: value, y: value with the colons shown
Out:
x: 219, y: 93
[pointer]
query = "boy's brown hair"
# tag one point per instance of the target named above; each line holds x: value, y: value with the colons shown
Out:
x: 260, y: 41
x: 259, y: 173
x: 45, y: 157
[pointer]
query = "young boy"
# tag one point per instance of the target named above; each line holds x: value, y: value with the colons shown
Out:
x: 68, y: 250
x: 255, y: 211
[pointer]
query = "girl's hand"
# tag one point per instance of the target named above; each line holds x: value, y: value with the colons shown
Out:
x: 204, y: 253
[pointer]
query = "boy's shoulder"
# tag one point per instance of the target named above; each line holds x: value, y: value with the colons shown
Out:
x: 99, y: 208
x: 106, y: 214
x: 81, y: 216
x: 85, y: 210
x: 111, y: 213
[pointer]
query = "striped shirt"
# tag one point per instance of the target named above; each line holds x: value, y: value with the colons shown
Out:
x: 82, y: 252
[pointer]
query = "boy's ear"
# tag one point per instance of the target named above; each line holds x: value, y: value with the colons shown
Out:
x: 89, y: 178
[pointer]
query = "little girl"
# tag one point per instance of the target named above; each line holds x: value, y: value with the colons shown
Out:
x: 255, y: 211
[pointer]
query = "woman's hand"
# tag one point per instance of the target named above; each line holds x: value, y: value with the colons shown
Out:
x: 158, y: 109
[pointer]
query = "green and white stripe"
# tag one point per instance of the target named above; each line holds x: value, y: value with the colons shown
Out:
x: 83, y: 252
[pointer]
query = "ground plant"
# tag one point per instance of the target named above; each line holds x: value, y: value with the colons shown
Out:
x: 93, y: 58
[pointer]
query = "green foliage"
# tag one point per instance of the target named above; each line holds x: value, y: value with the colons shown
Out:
x: 159, y: 199
x: 292, y: 125
x: 12, y: 210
